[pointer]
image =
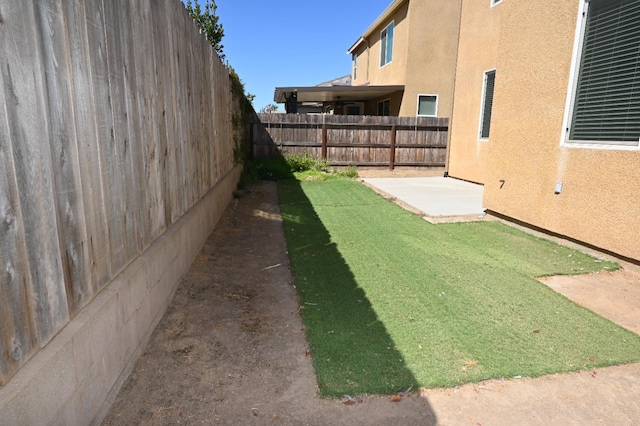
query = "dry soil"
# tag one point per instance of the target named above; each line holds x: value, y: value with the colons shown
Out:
x: 231, y: 350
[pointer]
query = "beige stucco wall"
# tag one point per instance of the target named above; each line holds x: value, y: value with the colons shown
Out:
x: 599, y: 202
x: 424, y: 51
x: 477, y: 53
x: 369, y: 69
x: 433, y: 41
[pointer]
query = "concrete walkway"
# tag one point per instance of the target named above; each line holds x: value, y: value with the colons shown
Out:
x: 439, y: 199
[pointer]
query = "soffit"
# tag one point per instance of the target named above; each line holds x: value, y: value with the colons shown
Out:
x: 334, y: 93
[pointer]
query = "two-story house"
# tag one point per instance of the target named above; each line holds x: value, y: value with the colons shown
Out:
x: 403, y: 64
x: 413, y: 44
x: 547, y: 115
x: 543, y: 102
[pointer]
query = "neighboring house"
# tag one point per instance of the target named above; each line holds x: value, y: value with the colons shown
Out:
x: 403, y: 64
x: 560, y: 150
x: 327, y: 107
x: 333, y: 97
x: 412, y: 44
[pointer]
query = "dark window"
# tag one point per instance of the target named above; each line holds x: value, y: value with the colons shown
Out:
x: 384, y: 107
x: 487, y: 103
x: 606, y: 104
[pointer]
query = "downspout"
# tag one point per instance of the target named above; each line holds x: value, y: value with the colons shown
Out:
x: 453, y: 90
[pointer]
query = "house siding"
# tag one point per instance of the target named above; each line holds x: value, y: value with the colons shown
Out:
x: 477, y: 53
x: 599, y: 201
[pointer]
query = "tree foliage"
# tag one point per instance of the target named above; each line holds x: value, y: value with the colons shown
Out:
x: 269, y: 108
x: 208, y: 22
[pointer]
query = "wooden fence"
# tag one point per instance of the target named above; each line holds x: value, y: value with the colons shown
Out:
x: 352, y: 140
x: 116, y: 119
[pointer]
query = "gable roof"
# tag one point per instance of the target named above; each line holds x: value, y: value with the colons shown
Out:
x: 345, y: 80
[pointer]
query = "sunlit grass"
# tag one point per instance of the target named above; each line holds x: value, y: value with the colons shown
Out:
x: 391, y: 301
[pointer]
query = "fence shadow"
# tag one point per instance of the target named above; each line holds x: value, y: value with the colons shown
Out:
x: 351, y: 348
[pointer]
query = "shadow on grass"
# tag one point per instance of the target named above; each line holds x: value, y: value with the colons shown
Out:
x: 351, y: 348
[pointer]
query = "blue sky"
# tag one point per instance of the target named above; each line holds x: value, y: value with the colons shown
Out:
x: 292, y: 42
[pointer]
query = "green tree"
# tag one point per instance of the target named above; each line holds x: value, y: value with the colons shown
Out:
x: 208, y: 22
x: 269, y: 108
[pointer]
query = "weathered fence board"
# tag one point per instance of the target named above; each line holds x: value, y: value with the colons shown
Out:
x: 115, y: 120
x: 352, y: 140
x: 25, y: 84
x: 18, y: 338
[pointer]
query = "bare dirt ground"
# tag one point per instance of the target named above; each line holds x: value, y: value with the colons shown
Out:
x: 231, y: 350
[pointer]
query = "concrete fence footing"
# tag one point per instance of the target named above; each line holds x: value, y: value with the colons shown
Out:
x: 74, y: 379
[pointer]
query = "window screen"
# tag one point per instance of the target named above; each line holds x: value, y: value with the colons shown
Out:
x: 427, y: 105
x: 386, y: 45
x: 487, y: 103
x: 606, y: 105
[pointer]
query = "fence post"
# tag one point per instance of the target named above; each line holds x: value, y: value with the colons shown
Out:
x: 324, y: 141
x: 392, y: 150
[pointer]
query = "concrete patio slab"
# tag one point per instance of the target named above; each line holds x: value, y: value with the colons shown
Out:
x: 439, y: 199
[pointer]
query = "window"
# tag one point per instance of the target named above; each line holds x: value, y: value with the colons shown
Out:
x: 487, y: 103
x: 384, y: 107
x: 427, y: 105
x: 386, y: 45
x: 354, y: 60
x: 604, y: 103
x: 353, y: 110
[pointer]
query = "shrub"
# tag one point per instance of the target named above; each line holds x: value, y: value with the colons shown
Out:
x: 304, y: 162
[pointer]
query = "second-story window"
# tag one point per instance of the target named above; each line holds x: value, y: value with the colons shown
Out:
x: 354, y: 60
x: 386, y: 45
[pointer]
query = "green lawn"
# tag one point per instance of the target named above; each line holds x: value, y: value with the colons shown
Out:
x: 391, y: 301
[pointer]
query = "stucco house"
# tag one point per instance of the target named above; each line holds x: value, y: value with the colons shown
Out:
x: 403, y: 64
x: 546, y: 115
x: 412, y: 44
x: 543, y: 102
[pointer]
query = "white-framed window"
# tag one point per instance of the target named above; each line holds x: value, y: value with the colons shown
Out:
x: 494, y: 2
x: 386, y: 44
x: 354, y: 62
x: 486, y: 108
x: 384, y: 107
x: 427, y: 105
x: 603, y: 101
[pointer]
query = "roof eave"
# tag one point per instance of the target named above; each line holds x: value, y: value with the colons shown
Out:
x: 384, y: 16
x: 355, y: 45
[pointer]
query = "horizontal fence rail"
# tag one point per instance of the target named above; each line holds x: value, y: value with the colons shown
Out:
x: 352, y: 140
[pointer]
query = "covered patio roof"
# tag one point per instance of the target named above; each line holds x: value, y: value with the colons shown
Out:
x: 334, y: 93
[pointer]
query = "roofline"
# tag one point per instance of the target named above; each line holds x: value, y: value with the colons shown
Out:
x: 386, y: 14
x: 279, y: 94
x: 355, y: 45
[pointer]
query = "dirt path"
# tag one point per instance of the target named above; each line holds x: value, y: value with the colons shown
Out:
x: 231, y: 350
